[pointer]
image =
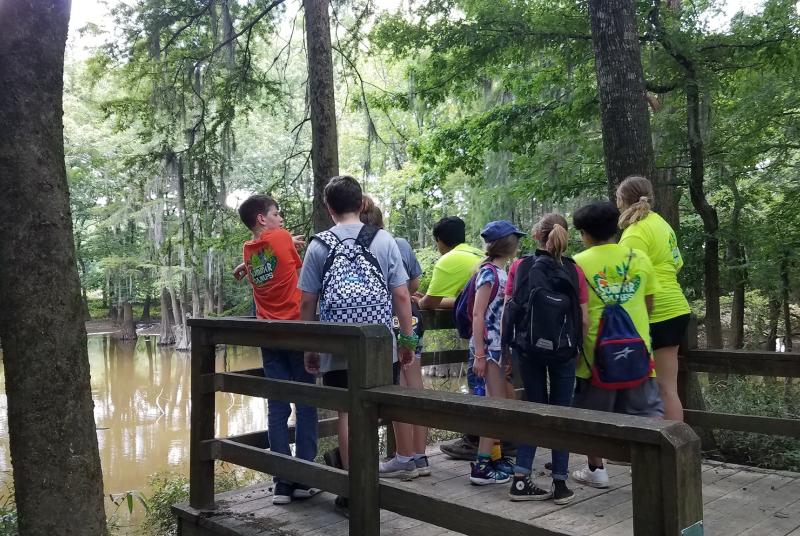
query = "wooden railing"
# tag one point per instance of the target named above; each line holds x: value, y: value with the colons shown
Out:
x: 665, y: 455
x: 691, y: 360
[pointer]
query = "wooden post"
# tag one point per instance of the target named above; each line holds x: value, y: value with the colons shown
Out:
x: 370, y: 366
x: 201, y: 470
x: 667, y: 484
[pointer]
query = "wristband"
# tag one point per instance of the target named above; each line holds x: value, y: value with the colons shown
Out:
x: 479, y: 356
x: 408, y: 341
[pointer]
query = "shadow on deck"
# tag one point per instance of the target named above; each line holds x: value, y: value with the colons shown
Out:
x: 738, y: 500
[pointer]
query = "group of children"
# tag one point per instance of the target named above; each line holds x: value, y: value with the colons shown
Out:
x: 598, y: 331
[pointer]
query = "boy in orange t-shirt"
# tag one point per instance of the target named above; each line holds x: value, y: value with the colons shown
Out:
x: 271, y: 264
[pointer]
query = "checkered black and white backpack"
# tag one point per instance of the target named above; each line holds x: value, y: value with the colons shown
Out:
x: 354, y: 289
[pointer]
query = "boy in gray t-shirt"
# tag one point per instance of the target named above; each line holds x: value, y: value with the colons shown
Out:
x: 343, y: 199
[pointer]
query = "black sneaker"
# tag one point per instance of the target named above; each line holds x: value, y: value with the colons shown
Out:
x: 561, y: 493
x: 523, y: 489
x: 333, y: 458
x: 282, y: 493
x: 462, y: 448
x: 342, y: 506
x: 299, y: 491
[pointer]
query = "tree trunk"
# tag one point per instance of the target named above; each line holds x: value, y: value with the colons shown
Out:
x: 625, y: 120
x: 787, y: 316
x: 737, y: 264
x: 707, y: 213
x: 772, y: 330
x: 148, y: 300
x: 128, y: 325
x: 322, y: 105
x: 165, y: 336
x: 58, y: 484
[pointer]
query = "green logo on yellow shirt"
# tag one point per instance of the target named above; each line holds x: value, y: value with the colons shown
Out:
x: 609, y: 284
x: 262, y: 266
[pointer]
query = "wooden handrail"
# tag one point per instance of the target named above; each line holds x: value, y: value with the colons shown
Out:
x: 665, y: 455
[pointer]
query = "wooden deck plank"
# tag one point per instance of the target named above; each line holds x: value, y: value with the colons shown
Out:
x: 738, y: 500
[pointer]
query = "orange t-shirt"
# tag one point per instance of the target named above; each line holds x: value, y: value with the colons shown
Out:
x: 272, y: 263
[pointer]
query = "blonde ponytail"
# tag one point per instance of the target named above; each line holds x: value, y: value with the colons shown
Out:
x: 552, y: 234
x: 634, y: 199
x: 557, y: 241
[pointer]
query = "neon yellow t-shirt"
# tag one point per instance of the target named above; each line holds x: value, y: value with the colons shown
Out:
x: 452, y: 271
x: 604, y: 267
x: 655, y: 237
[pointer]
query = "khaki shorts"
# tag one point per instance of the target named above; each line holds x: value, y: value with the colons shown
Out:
x: 643, y: 400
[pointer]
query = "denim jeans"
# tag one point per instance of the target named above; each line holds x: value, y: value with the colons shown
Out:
x: 534, y: 373
x: 287, y: 365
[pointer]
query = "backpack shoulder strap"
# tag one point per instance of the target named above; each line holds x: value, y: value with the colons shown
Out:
x: 366, y: 235
x: 496, y: 284
x: 328, y: 238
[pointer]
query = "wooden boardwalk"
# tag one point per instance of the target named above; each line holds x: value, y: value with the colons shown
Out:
x: 738, y: 500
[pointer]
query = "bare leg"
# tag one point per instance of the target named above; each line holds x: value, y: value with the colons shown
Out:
x: 667, y: 377
x: 403, y: 436
x: 411, y: 376
x: 496, y: 387
x: 344, y: 443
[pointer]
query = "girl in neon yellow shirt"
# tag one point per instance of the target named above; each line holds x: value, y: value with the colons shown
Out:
x: 645, y: 230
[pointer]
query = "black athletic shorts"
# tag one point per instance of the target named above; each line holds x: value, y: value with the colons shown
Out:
x: 338, y: 378
x: 669, y: 332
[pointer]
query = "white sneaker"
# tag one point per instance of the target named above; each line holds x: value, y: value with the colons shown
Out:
x: 596, y: 479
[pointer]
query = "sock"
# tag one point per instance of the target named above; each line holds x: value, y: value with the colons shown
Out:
x: 403, y: 459
x: 419, y: 456
x: 484, y: 457
x: 594, y: 468
x: 497, y: 453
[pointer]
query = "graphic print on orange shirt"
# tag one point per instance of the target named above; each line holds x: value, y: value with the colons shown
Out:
x: 272, y: 263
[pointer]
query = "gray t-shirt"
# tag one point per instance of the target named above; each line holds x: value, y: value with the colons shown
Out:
x: 410, y: 262
x: 387, y: 254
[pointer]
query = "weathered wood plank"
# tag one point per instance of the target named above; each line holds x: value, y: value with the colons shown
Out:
x: 288, y: 467
x: 459, y: 518
x: 330, y: 337
x: 746, y: 362
x: 302, y: 393
x: 743, y: 423
x: 371, y: 367
x: 201, y: 428
x: 571, y: 429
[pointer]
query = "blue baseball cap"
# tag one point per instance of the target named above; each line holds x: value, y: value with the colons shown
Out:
x: 495, y: 230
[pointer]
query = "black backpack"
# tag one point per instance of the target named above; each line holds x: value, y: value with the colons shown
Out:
x: 543, y: 317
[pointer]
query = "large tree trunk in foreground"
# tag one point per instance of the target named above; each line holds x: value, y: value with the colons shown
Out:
x: 324, y: 139
x: 624, y: 116
x: 58, y: 484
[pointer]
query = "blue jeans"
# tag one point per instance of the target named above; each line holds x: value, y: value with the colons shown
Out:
x: 287, y: 365
x: 534, y: 373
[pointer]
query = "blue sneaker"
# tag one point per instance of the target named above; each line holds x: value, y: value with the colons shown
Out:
x: 504, y: 465
x: 484, y: 473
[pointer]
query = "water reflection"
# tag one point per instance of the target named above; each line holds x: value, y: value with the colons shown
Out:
x: 141, y: 395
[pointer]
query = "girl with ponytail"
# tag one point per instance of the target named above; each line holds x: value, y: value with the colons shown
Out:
x: 558, y: 277
x: 645, y: 230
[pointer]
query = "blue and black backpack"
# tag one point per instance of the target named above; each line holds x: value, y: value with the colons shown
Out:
x: 621, y: 357
x: 462, y: 311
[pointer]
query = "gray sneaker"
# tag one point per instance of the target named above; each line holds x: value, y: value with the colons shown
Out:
x: 397, y: 469
x: 460, y: 449
x: 423, y: 467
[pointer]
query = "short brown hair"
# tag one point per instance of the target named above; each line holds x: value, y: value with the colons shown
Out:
x: 343, y: 195
x: 253, y: 206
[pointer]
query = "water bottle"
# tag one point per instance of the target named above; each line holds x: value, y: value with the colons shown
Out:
x: 480, y: 386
